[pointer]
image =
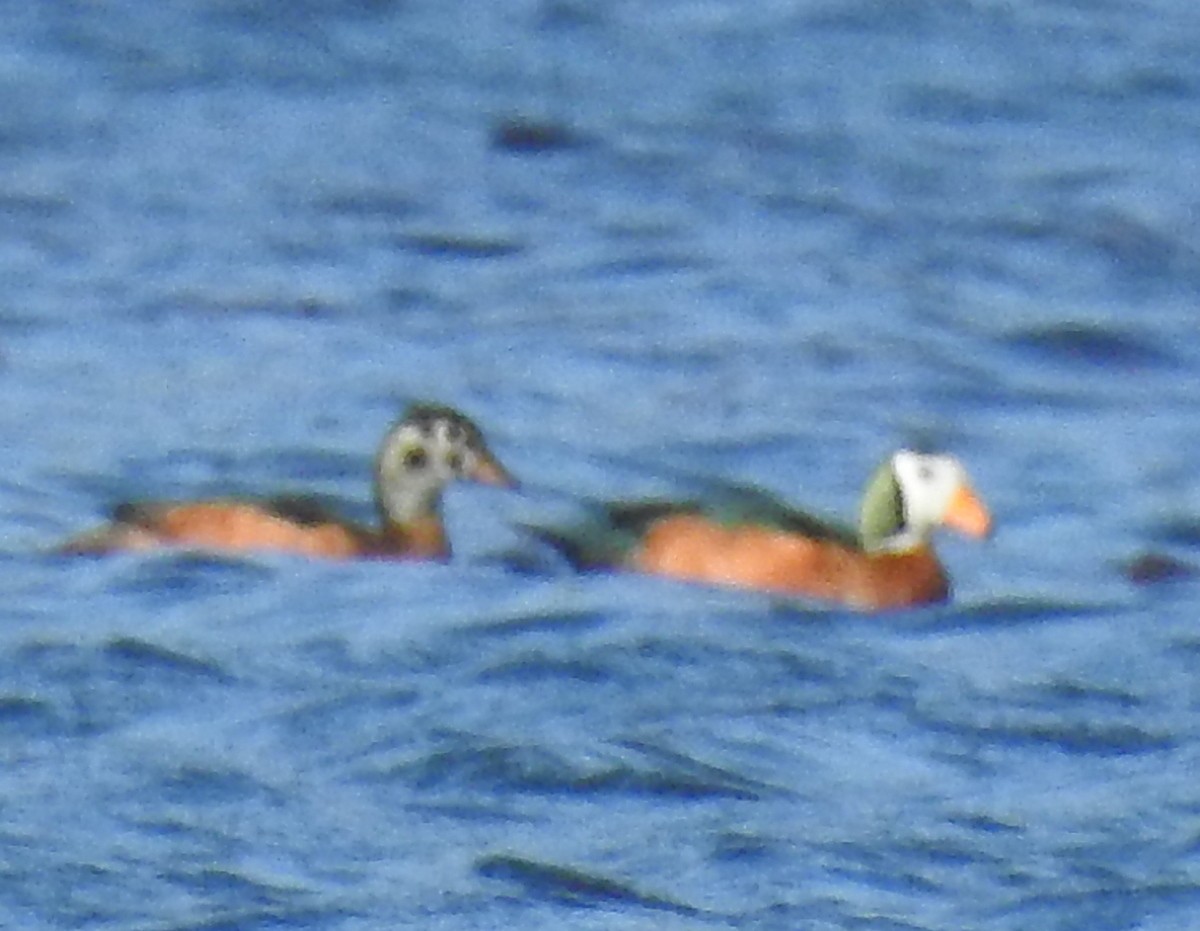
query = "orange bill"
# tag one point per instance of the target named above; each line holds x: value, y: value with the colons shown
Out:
x: 967, y: 514
x: 489, y: 471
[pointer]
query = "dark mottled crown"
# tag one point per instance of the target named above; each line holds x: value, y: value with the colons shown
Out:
x: 425, y: 416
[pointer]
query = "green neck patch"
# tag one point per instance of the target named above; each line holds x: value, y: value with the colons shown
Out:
x: 882, y: 514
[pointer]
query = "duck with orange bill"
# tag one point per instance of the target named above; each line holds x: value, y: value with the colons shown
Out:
x: 888, y: 563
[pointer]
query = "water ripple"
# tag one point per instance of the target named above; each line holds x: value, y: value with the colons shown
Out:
x: 1091, y: 345
x: 1084, y: 736
x: 648, y: 770
x: 459, y: 245
x: 644, y: 243
x: 576, y: 887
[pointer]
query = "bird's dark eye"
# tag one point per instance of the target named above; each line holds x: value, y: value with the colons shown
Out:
x: 454, y: 459
x: 415, y: 459
x: 925, y: 473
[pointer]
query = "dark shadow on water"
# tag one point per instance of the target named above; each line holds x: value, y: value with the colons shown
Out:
x: 644, y: 771
x: 565, y: 622
x: 381, y: 204
x: 188, y: 574
x: 1182, y: 529
x: 204, y: 785
x: 745, y: 847
x: 144, y: 657
x: 1153, y: 568
x: 458, y: 245
x: 526, y: 136
x: 1011, y: 612
x: 537, y: 665
x: 28, y: 717
x: 1070, y: 719
x: 573, y: 886
x: 1091, y: 345
x: 89, y: 689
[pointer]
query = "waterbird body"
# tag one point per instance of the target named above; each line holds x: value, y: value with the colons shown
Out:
x: 429, y: 447
x: 889, y: 563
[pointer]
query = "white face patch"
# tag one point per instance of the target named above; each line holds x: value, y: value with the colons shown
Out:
x: 927, y: 485
x: 436, y: 452
x: 418, y: 459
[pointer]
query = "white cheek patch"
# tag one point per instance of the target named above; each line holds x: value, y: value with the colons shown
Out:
x: 927, y: 484
x: 450, y: 452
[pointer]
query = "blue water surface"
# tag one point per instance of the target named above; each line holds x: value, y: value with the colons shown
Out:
x: 644, y: 246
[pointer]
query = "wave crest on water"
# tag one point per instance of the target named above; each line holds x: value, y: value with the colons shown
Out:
x: 637, y: 769
x: 557, y: 883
